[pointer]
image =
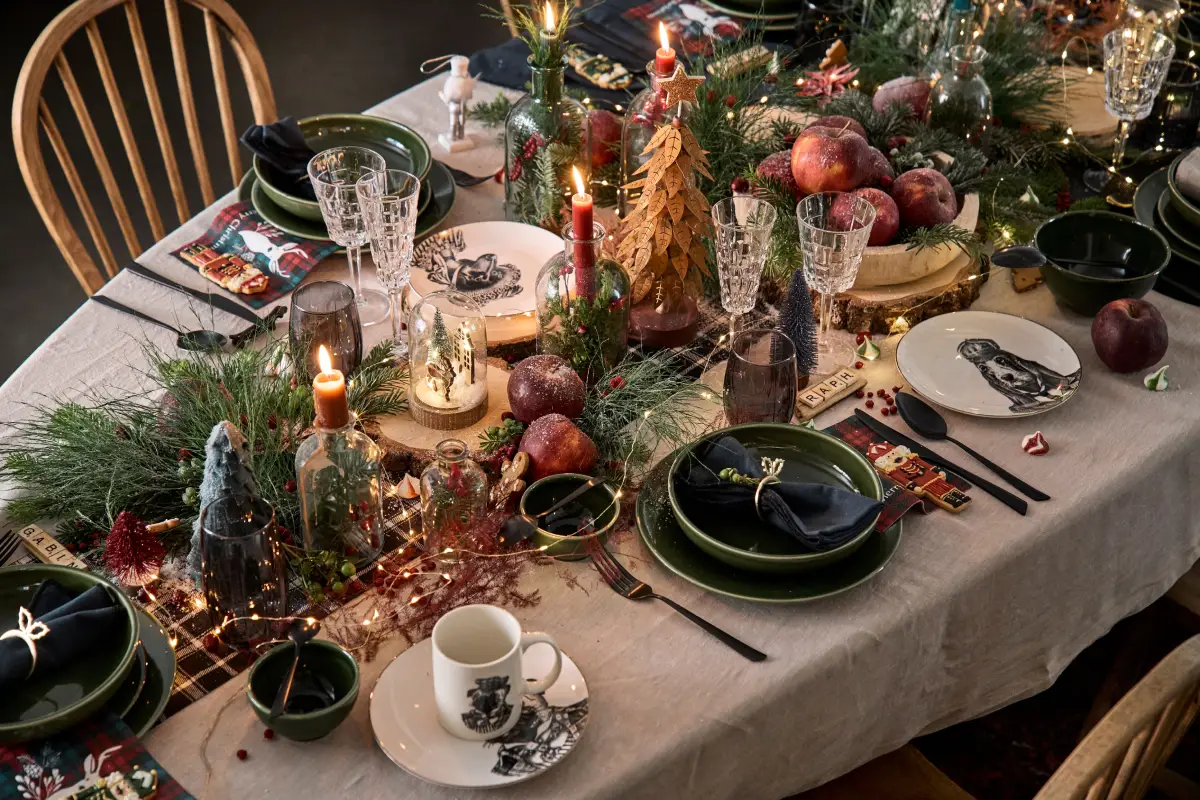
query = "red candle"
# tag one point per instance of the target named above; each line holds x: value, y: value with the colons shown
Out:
x: 581, y: 231
x: 664, y: 59
x: 329, y: 394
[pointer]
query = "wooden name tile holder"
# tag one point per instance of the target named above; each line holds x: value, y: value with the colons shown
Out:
x: 47, y: 549
x: 815, y: 399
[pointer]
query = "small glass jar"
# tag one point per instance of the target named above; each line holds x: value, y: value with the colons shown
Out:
x: 645, y: 113
x: 447, y: 356
x: 583, y: 305
x: 454, y: 494
x: 341, y: 502
x: 546, y: 133
x: 961, y: 101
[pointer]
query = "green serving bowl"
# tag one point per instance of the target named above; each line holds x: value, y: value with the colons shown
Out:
x: 401, y: 146
x: 808, y: 455
x: 1099, y: 235
x: 50, y: 702
x: 1186, y: 208
x: 322, y: 657
x: 600, y: 501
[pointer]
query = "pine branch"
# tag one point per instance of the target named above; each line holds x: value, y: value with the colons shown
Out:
x: 493, y: 113
x: 943, y: 234
x: 544, y: 52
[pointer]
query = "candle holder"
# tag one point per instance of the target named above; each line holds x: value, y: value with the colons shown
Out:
x: 583, y: 305
x: 454, y: 493
x: 448, y: 359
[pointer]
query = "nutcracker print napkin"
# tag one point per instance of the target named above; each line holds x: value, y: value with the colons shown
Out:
x: 248, y: 256
x: 99, y: 759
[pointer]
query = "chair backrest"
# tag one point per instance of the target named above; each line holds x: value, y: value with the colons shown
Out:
x: 1119, y: 757
x: 30, y: 112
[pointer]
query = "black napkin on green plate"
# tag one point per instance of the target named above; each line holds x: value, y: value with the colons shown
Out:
x: 281, y: 145
x: 819, y: 516
x: 76, y: 622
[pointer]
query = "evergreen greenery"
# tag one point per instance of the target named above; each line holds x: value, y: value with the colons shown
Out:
x: 588, y: 334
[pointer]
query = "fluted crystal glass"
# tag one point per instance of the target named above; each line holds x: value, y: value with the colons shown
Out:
x: 743, y: 235
x: 389, y: 199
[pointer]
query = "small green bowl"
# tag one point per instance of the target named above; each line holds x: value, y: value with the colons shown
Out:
x: 1099, y: 235
x: 601, y: 501
x: 331, y: 661
x: 1186, y: 208
x: 808, y: 455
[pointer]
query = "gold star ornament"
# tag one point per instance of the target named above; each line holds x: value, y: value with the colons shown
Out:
x: 681, y: 87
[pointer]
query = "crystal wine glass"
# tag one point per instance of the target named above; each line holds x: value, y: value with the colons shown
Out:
x: 334, y: 174
x: 389, y: 202
x: 834, y: 228
x: 1135, y: 65
x: 743, y: 236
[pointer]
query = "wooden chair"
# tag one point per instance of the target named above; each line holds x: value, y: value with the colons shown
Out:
x: 30, y: 111
x: 1117, y: 760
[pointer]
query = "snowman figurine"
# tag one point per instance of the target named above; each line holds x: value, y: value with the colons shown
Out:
x: 455, y: 93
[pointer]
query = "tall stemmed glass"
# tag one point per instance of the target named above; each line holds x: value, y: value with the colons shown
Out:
x: 334, y: 173
x: 834, y: 228
x: 1135, y: 64
x: 743, y: 235
x: 389, y: 202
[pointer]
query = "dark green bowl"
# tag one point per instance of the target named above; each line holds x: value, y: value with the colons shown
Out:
x: 401, y: 147
x: 323, y: 657
x: 51, y: 702
x: 601, y: 501
x: 1181, y: 202
x: 808, y: 455
x: 1099, y: 235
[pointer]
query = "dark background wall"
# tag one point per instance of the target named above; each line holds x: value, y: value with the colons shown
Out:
x: 322, y: 56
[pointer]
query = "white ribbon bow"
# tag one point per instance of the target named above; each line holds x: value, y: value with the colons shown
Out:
x: 29, y: 632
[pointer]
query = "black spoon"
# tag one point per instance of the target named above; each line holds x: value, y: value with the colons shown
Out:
x: 202, y: 341
x: 299, y: 632
x: 926, y: 421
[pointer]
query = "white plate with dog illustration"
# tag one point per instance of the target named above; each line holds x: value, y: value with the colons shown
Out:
x: 406, y: 727
x: 987, y: 364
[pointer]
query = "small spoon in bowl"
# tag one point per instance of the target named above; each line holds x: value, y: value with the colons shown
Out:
x: 299, y: 632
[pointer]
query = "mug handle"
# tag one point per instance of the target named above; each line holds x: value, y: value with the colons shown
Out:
x: 541, y: 685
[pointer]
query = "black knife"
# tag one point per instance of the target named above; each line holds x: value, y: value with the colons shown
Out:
x: 895, y: 437
x: 214, y: 300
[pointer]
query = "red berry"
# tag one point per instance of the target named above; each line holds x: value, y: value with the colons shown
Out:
x: 897, y: 388
x: 730, y: 100
x: 891, y: 401
x: 581, y: 330
x: 677, y: 122
x: 859, y: 338
x: 290, y: 486
x: 860, y: 394
x: 271, y: 423
x: 886, y: 180
x: 268, y: 734
x: 858, y: 365
x: 617, y: 382
x: 242, y: 755
x: 184, y: 454
x: 885, y: 411
x: 710, y: 95
x: 870, y: 404
x: 870, y: 394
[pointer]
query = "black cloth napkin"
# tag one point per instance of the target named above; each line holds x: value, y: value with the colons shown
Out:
x: 819, y: 516
x: 282, y: 146
x: 76, y: 623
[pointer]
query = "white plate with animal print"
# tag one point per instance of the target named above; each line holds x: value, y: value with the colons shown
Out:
x: 987, y: 364
x: 404, y: 718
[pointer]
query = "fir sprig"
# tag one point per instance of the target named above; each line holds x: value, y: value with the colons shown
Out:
x: 491, y: 113
x: 943, y: 234
x: 545, y: 51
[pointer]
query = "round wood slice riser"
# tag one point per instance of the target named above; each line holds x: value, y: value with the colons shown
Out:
x: 439, y: 420
x: 875, y: 309
x: 895, y: 264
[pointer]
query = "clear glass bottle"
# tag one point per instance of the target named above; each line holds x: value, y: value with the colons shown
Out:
x: 645, y: 113
x: 959, y: 30
x: 546, y: 133
x: 583, y: 305
x: 341, y: 502
x: 961, y: 101
x: 454, y: 494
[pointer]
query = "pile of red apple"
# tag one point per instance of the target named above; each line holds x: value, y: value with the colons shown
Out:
x: 545, y: 393
x: 832, y: 155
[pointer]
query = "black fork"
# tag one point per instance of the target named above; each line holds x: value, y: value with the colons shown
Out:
x: 624, y: 584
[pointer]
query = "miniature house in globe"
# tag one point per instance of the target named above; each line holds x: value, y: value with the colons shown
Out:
x: 448, y: 359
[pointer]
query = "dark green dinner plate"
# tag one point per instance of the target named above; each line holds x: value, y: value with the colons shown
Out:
x: 1181, y: 233
x: 1150, y: 193
x: 1181, y: 202
x: 401, y: 147
x: 662, y: 535
x: 160, y: 676
x: 131, y: 687
x: 48, y: 703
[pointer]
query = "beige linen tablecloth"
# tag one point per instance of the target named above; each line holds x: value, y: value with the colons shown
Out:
x: 974, y: 612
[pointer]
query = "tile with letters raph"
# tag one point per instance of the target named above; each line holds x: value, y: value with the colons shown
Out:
x: 814, y: 399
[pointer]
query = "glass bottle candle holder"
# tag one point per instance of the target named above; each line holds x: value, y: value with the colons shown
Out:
x: 454, y: 494
x: 960, y: 101
x: 338, y: 478
x: 583, y: 305
x: 646, y: 112
x: 243, y: 572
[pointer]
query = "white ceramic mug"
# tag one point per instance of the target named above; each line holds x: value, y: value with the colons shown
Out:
x: 477, y: 678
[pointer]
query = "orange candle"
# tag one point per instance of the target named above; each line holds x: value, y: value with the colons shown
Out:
x: 581, y: 231
x: 664, y: 59
x: 329, y: 394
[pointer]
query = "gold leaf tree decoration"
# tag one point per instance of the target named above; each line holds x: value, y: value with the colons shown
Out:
x: 662, y: 238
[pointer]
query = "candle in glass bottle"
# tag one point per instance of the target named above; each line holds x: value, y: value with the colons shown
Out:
x: 581, y: 228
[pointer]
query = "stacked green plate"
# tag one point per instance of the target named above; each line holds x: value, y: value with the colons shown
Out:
x: 1154, y: 204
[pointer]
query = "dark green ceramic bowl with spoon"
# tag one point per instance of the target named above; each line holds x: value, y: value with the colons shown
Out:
x: 48, y: 703
x: 808, y: 455
x: 323, y: 693
x: 557, y: 532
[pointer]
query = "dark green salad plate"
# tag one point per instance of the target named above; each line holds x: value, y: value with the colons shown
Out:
x: 160, y: 676
x: 1180, y: 233
x: 46, y: 704
x: 401, y: 147
x: 1179, y: 201
x: 1151, y: 196
x: 666, y: 540
x: 808, y: 456
x: 121, y: 702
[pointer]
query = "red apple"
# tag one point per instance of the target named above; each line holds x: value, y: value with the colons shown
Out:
x: 1129, y: 335
x: 779, y: 167
x: 887, y: 216
x: 925, y: 198
x: 838, y: 122
x: 829, y: 160
x: 554, y: 445
x: 542, y: 385
x: 606, y: 136
x: 880, y: 168
x: 909, y: 91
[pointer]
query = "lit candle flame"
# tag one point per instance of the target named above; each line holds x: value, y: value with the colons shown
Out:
x: 549, y: 20
x: 324, y: 360
x: 662, y: 36
x: 578, y: 180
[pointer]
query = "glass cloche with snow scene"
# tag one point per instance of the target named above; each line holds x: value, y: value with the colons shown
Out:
x: 448, y: 359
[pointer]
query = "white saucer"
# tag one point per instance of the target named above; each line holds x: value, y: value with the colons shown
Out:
x: 407, y: 730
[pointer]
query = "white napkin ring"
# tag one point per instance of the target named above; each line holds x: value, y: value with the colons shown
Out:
x: 771, y: 467
x: 29, y: 632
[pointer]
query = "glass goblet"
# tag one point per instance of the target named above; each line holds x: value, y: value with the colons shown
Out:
x: 334, y: 174
x: 389, y: 202
x: 743, y: 236
x: 760, y: 377
x: 324, y: 313
x: 834, y: 228
x: 243, y: 571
